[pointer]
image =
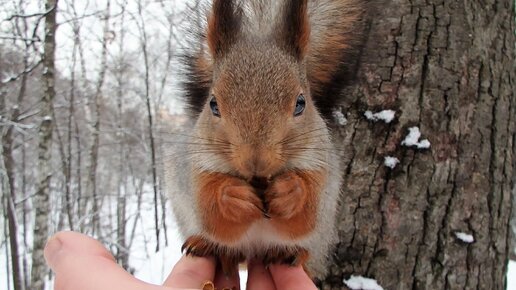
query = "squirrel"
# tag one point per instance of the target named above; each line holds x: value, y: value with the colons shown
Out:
x: 258, y: 176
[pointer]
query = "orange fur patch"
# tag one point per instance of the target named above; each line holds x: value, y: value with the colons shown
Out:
x: 292, y: 200
x: 228, y: 205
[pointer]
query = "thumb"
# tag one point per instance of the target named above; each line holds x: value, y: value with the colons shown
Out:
x: 82, y: 263
x: 74, y: 243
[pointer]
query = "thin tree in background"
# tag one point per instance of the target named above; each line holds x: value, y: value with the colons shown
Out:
x: 80, y: 83
x: 83, y: 100
x: 41, y: 198
x: 91, y: 187
x: 69, y: 202
x: 8, y: 160
x: 9, y: 190
x: 13, y: 113
x: 150, y: 119
x: 8, y: 164
x: 122, y: 249
x: 172, y: 40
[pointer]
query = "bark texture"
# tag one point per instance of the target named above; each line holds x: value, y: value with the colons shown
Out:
x: 41, y: 201
x: 447, y: 67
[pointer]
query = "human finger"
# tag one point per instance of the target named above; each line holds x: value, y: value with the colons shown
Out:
x: 229, y: 280
x: 82, y: 263
x: 259, y: 277
x: 191, y: 272
x: 291, y: 278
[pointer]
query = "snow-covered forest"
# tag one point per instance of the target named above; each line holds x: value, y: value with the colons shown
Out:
x: 115, y: 106
x: 89, y: 159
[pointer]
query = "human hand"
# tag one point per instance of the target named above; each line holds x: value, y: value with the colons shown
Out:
x: 277, y: 277
x: 82, y: 263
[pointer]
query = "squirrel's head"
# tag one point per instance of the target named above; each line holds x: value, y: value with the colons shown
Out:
x: 259, y: 117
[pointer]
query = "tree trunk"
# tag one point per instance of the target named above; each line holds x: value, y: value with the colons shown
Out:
x: 9, y: 190
x: 150, y: 119
x: 8, y: 164
x: 446, y: 67
x: 93, y: 151
x: 42, y: 195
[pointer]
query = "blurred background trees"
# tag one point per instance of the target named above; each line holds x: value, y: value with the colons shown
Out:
x: 87, y: 100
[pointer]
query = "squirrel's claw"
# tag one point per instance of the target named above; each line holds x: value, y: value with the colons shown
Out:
x: 196, y: 246
x: 287, y: 256
x: 265, y: 212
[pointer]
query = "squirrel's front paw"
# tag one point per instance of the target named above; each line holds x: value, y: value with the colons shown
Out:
x: 286, y: 195
x: 239, y: 203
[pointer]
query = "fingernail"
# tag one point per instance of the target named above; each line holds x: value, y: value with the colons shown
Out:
x: 52, y: 248
x: 208, y: 285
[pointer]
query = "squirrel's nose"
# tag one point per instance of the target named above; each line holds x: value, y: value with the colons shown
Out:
x: 257, y: 161
x: 258, y: 164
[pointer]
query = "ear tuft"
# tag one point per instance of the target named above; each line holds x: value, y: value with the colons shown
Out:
x: 223, y: 27
x: 296, y: 28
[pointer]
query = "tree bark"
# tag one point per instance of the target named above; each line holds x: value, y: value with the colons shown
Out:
x: 42, y: 195
x: 447, y: 67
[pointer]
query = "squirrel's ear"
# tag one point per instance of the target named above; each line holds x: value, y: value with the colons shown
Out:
x: 223, y: 26
x: 295, y: 28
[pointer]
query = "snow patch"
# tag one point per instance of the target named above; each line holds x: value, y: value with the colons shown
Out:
x: 362, y: 283
x: 466, y: 238
x: 511, y: 275
x: 8, y: 79
x: 386, y: 115
x: 424, y: 144
x: 391, y: 162
x: 412, y: 139
x: 340, y: 118
x: 47, y: 118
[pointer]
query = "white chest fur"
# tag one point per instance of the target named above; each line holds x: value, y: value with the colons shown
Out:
x: 261, y: 236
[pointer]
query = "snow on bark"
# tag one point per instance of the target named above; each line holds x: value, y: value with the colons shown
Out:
x: 466, y: 238
x: 412, y: 139
x: 362, y: 283
x: 340, y: 118
x: 391, y: 162
x: 386, y: 115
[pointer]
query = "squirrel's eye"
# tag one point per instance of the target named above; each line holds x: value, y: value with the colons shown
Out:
x: 214, y: 106
x: 300, y: 105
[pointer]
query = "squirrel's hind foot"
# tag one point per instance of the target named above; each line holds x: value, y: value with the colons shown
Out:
x: 198, y: 246
x: 287, y: 256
